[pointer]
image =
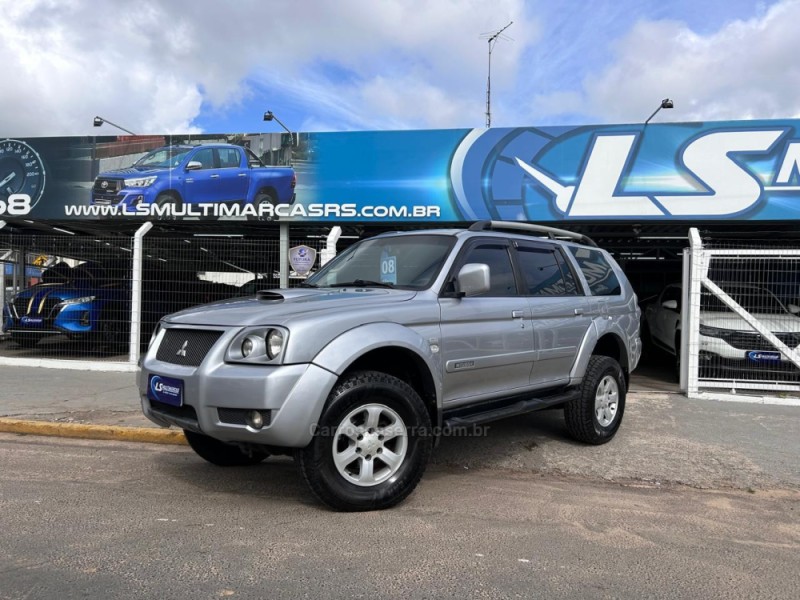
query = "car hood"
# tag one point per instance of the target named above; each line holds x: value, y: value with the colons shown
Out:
x: 129, y: 171
x: 64, y: 291
x: 278, y: 307
x: 782, y: 323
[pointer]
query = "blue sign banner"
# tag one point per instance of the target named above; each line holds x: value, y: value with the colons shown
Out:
x: 739, y: 170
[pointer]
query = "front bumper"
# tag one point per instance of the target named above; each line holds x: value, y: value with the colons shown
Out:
x: 294, y: 396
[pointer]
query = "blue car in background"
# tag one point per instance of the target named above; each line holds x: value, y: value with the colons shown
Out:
x: 80, y: 302
x: 175, y: 176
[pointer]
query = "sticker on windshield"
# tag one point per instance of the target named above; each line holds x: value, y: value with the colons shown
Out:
x: 388, y: 269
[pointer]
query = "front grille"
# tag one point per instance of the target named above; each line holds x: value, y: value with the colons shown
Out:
x: 21, y: 306
x: 747, y: 340
x: 187, y: 347
x: 107, y: 186
x: 181, y: 412
x: 237, y: 416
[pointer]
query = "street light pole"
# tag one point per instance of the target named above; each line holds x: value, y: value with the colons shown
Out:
x: 98, y: 122
x: 665, y: 103
x: 268, y: 116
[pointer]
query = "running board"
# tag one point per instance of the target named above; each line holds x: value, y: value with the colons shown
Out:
x: 477, y: 416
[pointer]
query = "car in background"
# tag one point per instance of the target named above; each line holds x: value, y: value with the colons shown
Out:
x: 726, y: 340
x: 80, y: 302
x: 173, y: 176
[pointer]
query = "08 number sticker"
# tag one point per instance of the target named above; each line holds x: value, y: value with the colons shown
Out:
x: 16, y: 205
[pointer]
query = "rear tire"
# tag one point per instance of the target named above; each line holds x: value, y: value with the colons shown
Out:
x: 222, y: 454
x: 372, y: 445
x: 594, y: 416
x: 265, y: 198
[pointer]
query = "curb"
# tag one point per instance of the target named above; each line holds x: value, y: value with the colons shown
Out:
x: 147, y: 435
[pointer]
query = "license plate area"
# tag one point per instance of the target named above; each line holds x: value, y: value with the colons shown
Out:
x: 763, y: 356
x: 167, y: 390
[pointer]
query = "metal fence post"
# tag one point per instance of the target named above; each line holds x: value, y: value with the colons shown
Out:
x: 136, y: 292
x: 283, y: 252
x: 690, y: 317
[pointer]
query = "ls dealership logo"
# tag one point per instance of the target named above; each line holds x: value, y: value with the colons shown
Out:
x: 670, y: 172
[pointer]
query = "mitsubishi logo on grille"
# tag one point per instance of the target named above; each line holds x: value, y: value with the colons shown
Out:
x: 182, y: 350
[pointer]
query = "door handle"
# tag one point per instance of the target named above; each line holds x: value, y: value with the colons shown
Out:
x: 213, y: 176
x: 517, y: 314
x: 578, y: 311
x: 242, y: 174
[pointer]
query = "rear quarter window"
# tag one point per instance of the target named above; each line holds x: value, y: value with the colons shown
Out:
x: 598, y: 272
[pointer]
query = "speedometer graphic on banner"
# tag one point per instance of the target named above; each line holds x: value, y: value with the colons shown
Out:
x: 21, y: 171
x: 487, y: 180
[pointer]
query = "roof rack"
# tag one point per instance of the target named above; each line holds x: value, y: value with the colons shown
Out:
x: 539, y: 230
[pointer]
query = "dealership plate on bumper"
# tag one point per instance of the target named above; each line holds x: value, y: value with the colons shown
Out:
x: 165, y: 389
x: 761, y: 356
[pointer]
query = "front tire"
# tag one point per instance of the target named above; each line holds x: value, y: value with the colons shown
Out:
x: 594, y: 416
x: 372, y: 444
x: 222, y: 454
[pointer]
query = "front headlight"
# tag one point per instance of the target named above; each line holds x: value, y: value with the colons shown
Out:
x: 71, y: 301
x: 140, y: 181
x: 257, y: 345
x: 274, y: 343
x: 714, y: 332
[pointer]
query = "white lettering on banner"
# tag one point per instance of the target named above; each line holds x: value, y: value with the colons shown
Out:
x: 790, y: 164
x: 731, y: 187
x: 16, y: 205
x: 210, y: 209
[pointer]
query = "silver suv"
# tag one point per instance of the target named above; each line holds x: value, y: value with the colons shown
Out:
x: 401, y: 338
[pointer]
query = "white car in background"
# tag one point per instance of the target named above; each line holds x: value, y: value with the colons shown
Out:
x: 726, y: 339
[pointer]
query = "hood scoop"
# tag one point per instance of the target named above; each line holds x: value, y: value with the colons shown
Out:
x: 268, y: 295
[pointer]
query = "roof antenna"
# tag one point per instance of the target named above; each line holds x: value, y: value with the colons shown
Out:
x: 492, y: 37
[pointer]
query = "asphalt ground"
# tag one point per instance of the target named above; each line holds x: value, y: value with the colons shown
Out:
x: 89, y: 519
x: 664, y: 438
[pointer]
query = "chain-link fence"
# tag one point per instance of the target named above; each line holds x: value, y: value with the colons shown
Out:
x: 79, y: 298
x: 743, y: 316
x: 67, y: 297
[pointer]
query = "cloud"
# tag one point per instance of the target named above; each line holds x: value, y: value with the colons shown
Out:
x: 154, y: 66
x: 746, y: 69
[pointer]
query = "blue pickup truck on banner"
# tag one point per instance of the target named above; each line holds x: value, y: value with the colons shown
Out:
x: 741, y: 170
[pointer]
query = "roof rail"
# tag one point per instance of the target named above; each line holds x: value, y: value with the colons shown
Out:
x: 539, y: 230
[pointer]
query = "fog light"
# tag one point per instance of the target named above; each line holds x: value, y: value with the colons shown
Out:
x: 85, y: 318
x: 255, y: 420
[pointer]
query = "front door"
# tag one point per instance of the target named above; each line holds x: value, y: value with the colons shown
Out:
x: 487, y: 340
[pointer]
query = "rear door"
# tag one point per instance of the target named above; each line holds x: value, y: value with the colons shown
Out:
x: 487, y: 340
x: 233, y: 178
x: 559, y: 309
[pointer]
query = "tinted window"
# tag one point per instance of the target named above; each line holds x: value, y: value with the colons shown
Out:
x: 570, y: 283
x: 672, y: 293
x: 501, y: 273
x: 228, y: 157
x: 205, y: 157
x: 543, y: 274
x: 598, y: 273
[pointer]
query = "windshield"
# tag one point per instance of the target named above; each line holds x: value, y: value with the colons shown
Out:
x: 410, y: 262
x: 163, y: 157
x: 752, y: 299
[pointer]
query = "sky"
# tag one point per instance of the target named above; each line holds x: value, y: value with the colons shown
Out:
x: 178, y: 66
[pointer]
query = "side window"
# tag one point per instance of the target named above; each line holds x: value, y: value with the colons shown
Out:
x: 570, y: 284
x: 205, y: 157
x: 542, y: 272
x: 598, y: 273
x: 500, y: 269
x: 228, y: 158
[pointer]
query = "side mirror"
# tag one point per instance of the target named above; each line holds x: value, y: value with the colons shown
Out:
x: 194, y: 165
x: 670, y: 304
x: 473, y: 279
x: 793, y: 308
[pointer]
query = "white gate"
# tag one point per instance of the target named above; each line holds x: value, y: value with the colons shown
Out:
x: 741, y: 310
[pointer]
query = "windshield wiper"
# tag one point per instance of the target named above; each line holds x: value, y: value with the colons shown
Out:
x: 364, y: 283
x: 307, y: 285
